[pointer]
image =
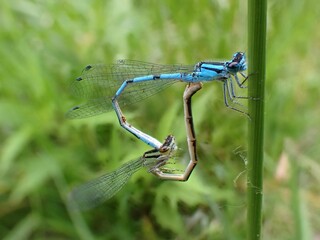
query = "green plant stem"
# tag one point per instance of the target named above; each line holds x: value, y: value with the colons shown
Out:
x: 257, y: 10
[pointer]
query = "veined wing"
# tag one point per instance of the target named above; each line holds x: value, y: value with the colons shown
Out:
x: 99, y: 83
x: 98, y: 190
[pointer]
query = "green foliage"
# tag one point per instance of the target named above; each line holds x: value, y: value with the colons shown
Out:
x: 45, y: 45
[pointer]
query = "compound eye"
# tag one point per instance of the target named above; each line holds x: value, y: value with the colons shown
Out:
x: 238, y: 57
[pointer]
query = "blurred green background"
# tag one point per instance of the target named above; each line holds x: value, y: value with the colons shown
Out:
x: 46, y: 44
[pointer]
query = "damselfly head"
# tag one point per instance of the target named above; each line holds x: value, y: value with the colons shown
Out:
x: 169, y: 146
x: 238, y: 63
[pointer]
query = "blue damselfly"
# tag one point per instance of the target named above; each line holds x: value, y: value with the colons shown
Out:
x: 108, y: 86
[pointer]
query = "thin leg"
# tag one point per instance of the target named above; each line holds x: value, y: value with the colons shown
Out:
x: 191, y: 89
x: 226, y: 93
x: 159, y: 157
x: 231, y: 91
x: 241, y: 84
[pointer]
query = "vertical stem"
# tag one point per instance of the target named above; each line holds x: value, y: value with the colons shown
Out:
x: 296, y: 199
x: 257, y: 10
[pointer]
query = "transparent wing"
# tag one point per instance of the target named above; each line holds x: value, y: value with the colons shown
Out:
x: 95, y: 192
x: 99, y: 83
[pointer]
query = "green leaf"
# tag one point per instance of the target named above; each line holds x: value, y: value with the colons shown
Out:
x: 34, y: 175
x: 24, y: 228
x: 12, y: 147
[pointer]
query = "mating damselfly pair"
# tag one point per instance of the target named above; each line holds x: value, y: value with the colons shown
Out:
x: 108, y: 86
